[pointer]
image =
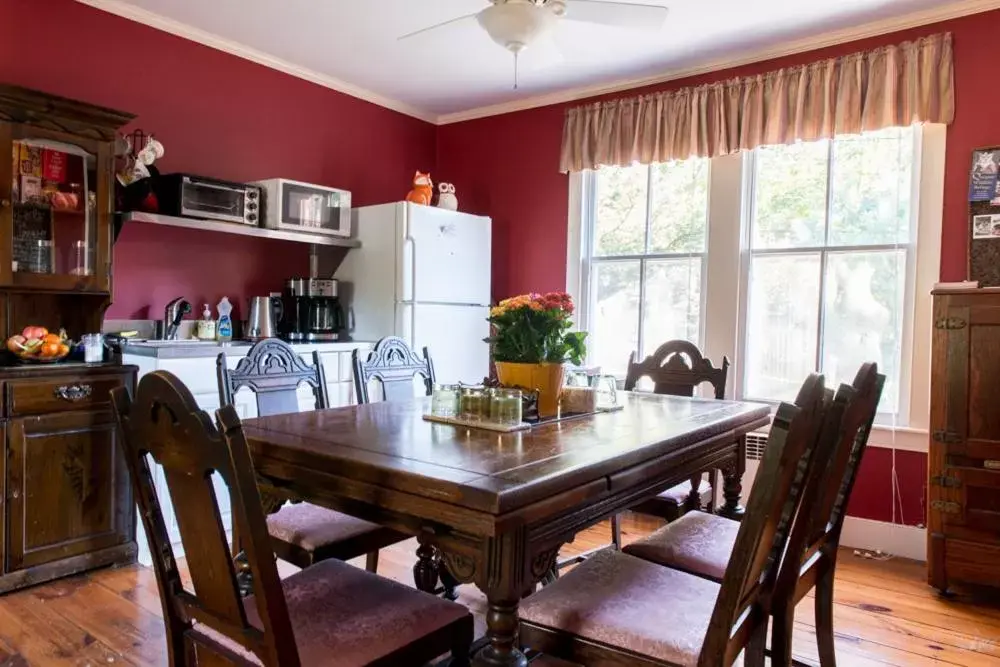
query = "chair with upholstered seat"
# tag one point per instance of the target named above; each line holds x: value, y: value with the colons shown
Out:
x: 703, y: 544
x: 676, y: 368
x: 302, y: 533
x: 331, y: 613
x: 617, y: 609
x: 400, y: 375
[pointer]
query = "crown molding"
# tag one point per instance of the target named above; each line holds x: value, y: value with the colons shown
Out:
x: 934, y: 15
x: 153, y: 20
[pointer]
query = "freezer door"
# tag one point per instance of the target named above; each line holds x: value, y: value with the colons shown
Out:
x: 448, y: 257
x: 453, y: 335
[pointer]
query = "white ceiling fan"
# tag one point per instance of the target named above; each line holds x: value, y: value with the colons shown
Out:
x: 518, y: 24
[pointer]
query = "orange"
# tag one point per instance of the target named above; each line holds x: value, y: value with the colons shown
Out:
x: 50, y: 349
x: 52, y: 338
x: 63, y: 350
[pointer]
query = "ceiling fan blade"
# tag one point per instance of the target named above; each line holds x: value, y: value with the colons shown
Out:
x: 620, y: 14
x: 435, y: 27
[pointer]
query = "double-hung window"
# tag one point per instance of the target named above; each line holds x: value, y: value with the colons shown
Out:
x: 645, y: 258
x: 822, y: 277
x: 829, y: 276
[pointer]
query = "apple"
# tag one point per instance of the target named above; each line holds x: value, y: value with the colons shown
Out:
x: 35, y: 332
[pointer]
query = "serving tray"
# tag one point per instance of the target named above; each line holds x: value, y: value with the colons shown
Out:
x: 523, y: 426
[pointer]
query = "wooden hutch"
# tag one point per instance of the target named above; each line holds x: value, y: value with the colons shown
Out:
x: 65, y: 496
x: 964, y: 464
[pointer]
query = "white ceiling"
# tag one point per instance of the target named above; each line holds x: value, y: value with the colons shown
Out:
x: 458, y: 71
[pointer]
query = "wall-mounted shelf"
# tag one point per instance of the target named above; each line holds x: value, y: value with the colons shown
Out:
x: 239, y: 230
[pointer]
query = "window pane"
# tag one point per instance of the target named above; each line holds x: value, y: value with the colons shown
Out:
x: 614, y: 318
x: 672, y: 302
x: 782, y: 324
x: 679, y: 215
x: 863, y: 318
x: 790, y: 196
x: 620, y: 228
x: 870, y: 188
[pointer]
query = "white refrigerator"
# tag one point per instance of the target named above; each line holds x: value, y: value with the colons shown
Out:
x: 423, y: 274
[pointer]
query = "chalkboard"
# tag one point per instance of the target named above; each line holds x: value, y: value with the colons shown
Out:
x: 32, y: 224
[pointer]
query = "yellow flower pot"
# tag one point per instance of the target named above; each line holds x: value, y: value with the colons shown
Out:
x: 546, y: 379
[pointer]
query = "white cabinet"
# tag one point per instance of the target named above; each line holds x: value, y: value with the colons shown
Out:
x: 199, y: 375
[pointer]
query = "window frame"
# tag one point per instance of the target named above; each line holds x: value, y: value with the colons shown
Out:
x: 723, y: 314
x: 750, y: 171
x: 584, y: 296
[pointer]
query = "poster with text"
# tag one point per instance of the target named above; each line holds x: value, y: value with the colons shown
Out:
x: 984, y: 181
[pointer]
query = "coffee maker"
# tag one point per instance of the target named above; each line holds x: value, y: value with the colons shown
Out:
x: 312, y: 310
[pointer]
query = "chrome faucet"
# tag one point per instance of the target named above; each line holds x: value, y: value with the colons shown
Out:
x: 172, y: 316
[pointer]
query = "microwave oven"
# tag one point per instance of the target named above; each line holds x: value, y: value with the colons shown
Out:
x: 208, y: 198
x: 316, y: 209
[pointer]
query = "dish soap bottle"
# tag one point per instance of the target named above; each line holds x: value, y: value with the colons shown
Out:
x: 224, y: 331
x: 206, y: 325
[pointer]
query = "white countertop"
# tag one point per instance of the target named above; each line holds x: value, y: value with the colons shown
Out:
x: 192, y: 349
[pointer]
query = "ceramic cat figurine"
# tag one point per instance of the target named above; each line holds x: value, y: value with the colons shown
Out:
x: 423, y: 189
x: 446, y: 197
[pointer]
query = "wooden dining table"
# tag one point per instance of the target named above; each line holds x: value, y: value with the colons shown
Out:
x: 497, y: 507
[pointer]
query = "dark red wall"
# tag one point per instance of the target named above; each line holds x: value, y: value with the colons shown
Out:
x: 217, y: 115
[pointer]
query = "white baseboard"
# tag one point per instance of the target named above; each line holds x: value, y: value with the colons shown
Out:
x: 895, y: 539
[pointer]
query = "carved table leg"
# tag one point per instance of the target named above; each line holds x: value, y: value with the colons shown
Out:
x: 693, y: 501
x: 425, y: 570
x: 732, y: 483
x: 501, y: 630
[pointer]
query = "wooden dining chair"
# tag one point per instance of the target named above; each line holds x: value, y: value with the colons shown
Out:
x: 393, y: 365
x: 301, y: 533
x: 617, y: 609
x: 677, y: 368
x: 331, y: 613
x: 704, y: 544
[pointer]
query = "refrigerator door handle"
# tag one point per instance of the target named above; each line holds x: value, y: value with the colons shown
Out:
x: 413, y: 288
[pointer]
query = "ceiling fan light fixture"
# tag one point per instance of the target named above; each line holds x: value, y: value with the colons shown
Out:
x: 515, y: 24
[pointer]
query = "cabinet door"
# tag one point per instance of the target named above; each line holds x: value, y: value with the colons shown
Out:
x: 61, y: 198
x: 3, y: 497
x: 965, y: 432
x: 68, y: 489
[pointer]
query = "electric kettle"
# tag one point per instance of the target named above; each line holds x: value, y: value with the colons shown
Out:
x: 263, y: 315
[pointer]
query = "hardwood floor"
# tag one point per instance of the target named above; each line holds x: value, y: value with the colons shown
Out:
x: 885, y: 615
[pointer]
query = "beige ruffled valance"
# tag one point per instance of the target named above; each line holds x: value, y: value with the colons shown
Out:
x: 891, y: 86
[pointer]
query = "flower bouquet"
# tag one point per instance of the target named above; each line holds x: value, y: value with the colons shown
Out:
x: 531, y: 341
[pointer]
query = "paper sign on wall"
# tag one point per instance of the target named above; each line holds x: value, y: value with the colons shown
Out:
x: 986, y: 226
x: 984, y: 183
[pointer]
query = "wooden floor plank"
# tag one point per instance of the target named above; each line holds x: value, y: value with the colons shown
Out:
x: 885, y: 615
x: 38, y: 636
x: 125, y: 627
x: 950, y: 646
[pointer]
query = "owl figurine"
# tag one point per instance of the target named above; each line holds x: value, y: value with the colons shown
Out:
x: 446, y: 197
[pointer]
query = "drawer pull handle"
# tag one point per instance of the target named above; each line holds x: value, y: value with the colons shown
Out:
x: 991, y: 464
x: 73, y: 392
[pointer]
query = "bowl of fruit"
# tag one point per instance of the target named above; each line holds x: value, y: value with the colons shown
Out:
x: 37, y: 345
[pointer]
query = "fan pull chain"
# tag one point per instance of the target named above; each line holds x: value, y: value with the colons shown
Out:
x: 515, y: 70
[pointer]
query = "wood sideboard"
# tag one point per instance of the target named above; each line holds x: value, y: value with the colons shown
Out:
x: 964, y: 465
x: 66, y: 504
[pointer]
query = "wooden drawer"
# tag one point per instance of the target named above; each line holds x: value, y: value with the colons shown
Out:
x: 972, y: 562
x: 60, y: 394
